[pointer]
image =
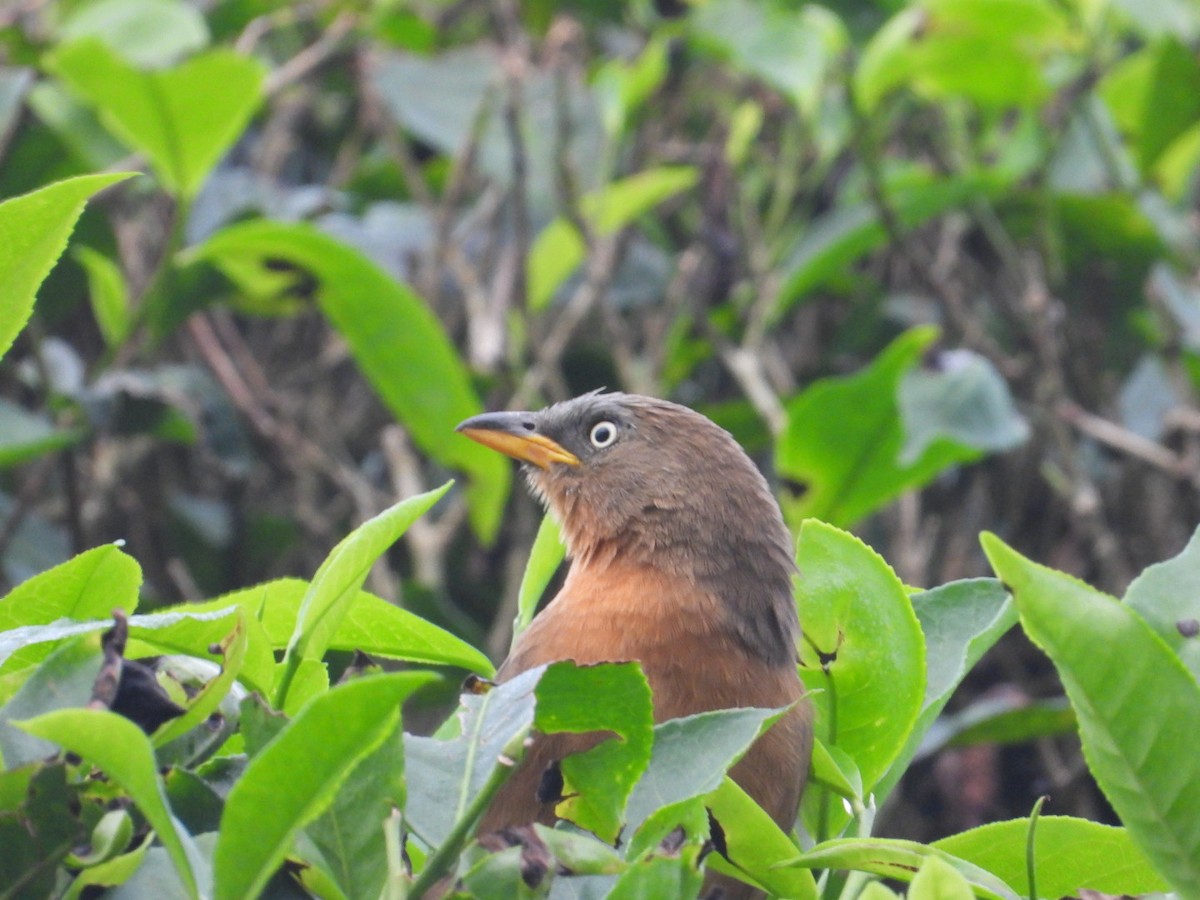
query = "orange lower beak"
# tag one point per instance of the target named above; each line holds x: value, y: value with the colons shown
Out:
x: 515, y: 434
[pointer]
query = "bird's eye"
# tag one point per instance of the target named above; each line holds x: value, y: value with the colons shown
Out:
x: 603, y: 434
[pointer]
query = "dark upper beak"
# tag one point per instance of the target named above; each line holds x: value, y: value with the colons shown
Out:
x: 516, y: 434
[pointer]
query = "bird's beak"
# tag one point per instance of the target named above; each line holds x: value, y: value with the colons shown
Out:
x: 515, y: 434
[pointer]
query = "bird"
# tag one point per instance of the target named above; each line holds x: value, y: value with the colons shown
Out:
x: 679, y: 559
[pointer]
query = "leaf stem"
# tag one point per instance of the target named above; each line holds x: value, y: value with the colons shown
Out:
x: 440, y: 860
x: 1030, y: 866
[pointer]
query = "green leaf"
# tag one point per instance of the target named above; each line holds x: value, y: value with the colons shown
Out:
x: 938, y: 880
x: 559, y: 249
x: 834, y: 769
x: 25, y: 435
x: 33, y: 234
x: 371, y: 624
x: 755, y: 845
x: 445, y: 777
x: 1071, y: 854
x: 205, y: 703
x: 691, y: 756
x: 109, y: 873
x: 64, y: 680
x: 613, y: 698
x: 869, y: 693
x: 350, y: 834
x: 790, y: 48
x: 1167, y: 596
x: 109, y: 295
x: 661, y: 876
x: 1140, y: 752
x: 399, y: 344
x: 1154, y: 97
x: 298, y: 774
x: 1001, y: 720
x: 963, y: 399
x: 832, y: 242
x: 544, y: 559
x: 37, y: 831
x: 88, y: 586
x: 118, y: 747
x: 844, y: 437
x: 183, y: 118
x: 989, y: 51
x: 145, y: 32
x: 961, y: 621
x: 900, y: 860
x: 336, y: 584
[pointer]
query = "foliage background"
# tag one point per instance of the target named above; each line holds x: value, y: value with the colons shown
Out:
x: 723, y: 204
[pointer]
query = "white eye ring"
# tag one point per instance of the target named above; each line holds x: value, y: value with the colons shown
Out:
x: 603, y: 434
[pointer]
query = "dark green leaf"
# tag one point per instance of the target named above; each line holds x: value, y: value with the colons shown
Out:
x: 122, y: 751
x: 350, y: 834
x: 298, y: 774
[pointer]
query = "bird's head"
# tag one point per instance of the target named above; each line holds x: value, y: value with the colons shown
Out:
x: 656, y: 483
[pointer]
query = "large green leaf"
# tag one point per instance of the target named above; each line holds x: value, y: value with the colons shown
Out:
x: 336, y: 585
x: 844, y: 439
x: 88, y: 586
x: 183, y: 119
x: 371, y: 625
x: 120, y: 749
x: 1167, y: 596
x: 298, y: 774
x: 400, y: 345
x: 1138, y: 707
x: 1071, y: 854
x: 867, y: 692
x: 990, y: 51
x: 960, y: 621
x: 33, y: 234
